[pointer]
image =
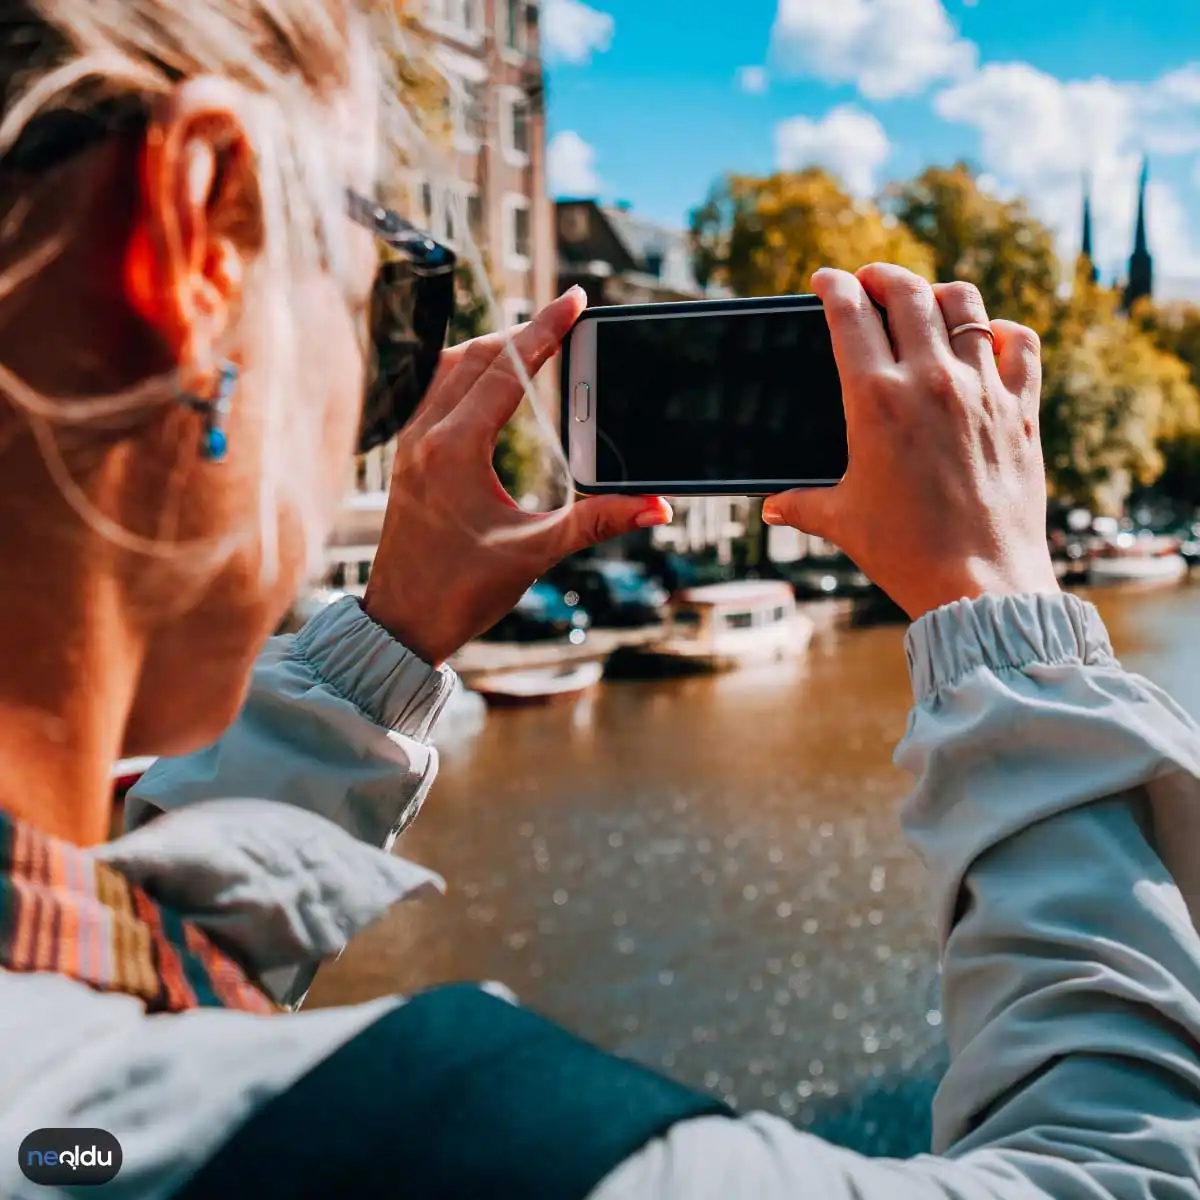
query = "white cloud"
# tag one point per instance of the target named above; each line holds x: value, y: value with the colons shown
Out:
x: 1040, y: 136
x: 571, y: 166
x: 847, y: 141
x: 753, y: 80
x: 573, y: 31
x: 887, y: 48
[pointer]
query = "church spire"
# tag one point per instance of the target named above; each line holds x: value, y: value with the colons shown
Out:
x: 1086, y: 252
x: 1141, y: 265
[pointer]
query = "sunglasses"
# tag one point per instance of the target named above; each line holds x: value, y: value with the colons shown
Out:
x: 412, y: 302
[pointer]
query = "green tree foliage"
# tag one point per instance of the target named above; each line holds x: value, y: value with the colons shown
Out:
x: 765, y: 236
x: 995, y: 244
x: 1120, y: 402
x: 1176, y: 330
x: 1112, y: 396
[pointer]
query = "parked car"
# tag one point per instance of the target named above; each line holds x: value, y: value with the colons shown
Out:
x: 543, y: 614
x: 616, y: 592
x: 825, y: 578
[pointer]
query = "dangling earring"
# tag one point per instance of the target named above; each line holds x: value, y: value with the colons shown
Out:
x: 214, y: 445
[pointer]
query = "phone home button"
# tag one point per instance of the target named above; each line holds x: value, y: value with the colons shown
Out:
x: 583, y: 402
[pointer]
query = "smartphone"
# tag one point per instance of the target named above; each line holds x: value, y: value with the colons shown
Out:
x: 708, y: 397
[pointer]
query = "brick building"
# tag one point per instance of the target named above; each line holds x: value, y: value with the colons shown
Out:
x: 492, y: 177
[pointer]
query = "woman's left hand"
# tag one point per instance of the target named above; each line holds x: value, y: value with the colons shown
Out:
x: 457, y: 552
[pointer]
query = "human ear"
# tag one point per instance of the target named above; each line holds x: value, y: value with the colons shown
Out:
x: 198, y: 225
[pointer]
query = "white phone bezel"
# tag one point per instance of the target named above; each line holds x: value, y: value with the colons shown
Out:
x: 581, y: 440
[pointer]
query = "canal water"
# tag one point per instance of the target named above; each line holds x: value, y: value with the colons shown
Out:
x: 707, y: 875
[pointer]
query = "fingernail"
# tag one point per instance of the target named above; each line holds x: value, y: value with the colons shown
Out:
x: 574, y: 290
x: 660, y: 514
x: 771, y: 514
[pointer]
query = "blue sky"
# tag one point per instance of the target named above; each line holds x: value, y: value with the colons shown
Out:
x: 649, y: 102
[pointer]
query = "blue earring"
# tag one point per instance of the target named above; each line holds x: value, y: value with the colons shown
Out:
x: 214, y: 444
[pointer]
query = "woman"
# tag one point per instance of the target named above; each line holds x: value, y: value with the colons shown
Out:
x: 182, y: 368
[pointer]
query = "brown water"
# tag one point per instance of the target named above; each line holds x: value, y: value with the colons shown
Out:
x: 707, y: 875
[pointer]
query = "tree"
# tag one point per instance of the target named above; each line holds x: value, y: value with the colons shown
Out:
x: 1111, y: 397
x: 1176, y: 329
x: 995, y: 244
x: 766, y: 236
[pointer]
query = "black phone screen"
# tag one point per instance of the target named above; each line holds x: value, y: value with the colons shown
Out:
x: 724, y: 397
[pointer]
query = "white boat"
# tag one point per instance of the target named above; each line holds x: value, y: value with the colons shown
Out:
x: 727, y: 625
x: 1169, y: 568
x: 1133, y: 558
x: 540, y: 685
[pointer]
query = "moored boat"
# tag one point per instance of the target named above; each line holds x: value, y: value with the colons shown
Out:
x: 1136, y: 559
x: 540, y: 685
x: 727, y: 625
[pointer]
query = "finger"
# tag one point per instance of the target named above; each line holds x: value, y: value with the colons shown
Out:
x: 496, y: 395
x: 860, y: 343
x: 811, y: 510
x: 961, y: 304
x: 1019, y: 361
x: 601, y: 518
x: 460, y: 368
x: 914, y: 319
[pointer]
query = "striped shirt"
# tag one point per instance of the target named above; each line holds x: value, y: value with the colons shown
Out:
x: 64, y: 912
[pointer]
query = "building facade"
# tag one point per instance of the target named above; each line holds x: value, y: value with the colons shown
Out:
x: 489, y: 178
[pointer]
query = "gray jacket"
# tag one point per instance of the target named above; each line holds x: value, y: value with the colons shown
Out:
x: 1057, y: 807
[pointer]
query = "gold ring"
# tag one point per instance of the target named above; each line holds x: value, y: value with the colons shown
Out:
x: 974, y: 327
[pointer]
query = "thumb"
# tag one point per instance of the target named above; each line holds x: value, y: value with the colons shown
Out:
x: 811, y: 510
x: 600, y: 518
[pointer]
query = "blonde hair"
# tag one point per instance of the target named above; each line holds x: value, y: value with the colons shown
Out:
x: 296, y: 61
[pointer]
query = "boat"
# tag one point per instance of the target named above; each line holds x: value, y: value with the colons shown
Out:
x: 540, y: 685
x: 1136, y: 559
x: 725, y: 625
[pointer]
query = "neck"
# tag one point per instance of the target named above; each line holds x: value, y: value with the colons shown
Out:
x: 70, y: 671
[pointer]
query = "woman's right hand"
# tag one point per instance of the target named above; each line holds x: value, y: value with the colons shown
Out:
x: 945, y: 495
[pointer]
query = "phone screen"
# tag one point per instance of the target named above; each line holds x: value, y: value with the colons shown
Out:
x: 718, y: 398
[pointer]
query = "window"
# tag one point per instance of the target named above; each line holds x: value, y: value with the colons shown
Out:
x: 521, y: 126
x: 522, y: 240
x: 475, y: 216
x: 476, y: 114
x: 515, y: 132
x: 518, y: 232
x: 741, y: 620
x: 513, y: 24
x: 462, y: 16
x: 467, y: 112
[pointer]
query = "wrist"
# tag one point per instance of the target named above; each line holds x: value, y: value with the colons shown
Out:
x: 398, y: 625
x: 979, y: 578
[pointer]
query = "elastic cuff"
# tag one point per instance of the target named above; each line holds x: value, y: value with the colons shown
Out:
x: 364, y: 663
x: 1003, y: 633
